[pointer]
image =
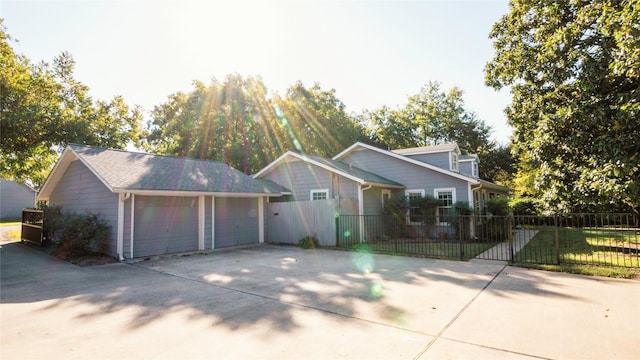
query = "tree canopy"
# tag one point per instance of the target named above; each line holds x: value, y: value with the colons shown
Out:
x: 574, y: 71
x: 43, y: 108
x: 236, y: 122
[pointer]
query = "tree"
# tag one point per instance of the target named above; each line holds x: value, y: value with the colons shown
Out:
x: 431, y: 117
x: 574, y: 72
x: 43, y: 108
x: 497, y: 164
x: 316, y: 121
x: 230, y: 121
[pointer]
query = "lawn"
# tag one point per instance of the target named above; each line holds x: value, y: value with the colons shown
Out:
x: 595, y: 246
x: 436, y: 249
x: 13, y: 235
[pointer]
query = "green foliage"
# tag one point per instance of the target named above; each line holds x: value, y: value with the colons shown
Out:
x: 498, y: 206
x: 79, y: 234
x: 433, y: 116
x: 525, y: 206
x: 234, y: 121
x: 493, y: 229
x: 462, y: 208
x: 308, y: 242
x: 573, y: 70
x: 44, y: 108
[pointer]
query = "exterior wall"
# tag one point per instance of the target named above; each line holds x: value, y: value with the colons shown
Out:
x: 466, y: 167
x: 440, y: 160
x: 372, y: 200
x: 236, y: 222
x: 79, y: 190
x: 13, y: 198
x: 207, y: 222
x: 301, y: 178
x: 410, y: 175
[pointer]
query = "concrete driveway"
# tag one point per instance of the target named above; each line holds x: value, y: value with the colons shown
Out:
x: 283, y: 302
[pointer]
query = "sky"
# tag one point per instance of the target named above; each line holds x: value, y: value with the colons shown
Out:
x: 373, y: 53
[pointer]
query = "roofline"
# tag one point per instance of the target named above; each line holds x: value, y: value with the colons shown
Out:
x: 273, y: 165
x: 193, y: 193
x: 407, y: 159
x: 422, y: 152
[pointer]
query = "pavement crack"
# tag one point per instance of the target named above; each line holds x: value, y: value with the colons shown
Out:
x: 455, y: 318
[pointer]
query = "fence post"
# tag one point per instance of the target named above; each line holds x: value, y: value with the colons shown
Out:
x: 510, y: 238
x: 557, y: 240
x: 461, y: 235
x: 337, y: 217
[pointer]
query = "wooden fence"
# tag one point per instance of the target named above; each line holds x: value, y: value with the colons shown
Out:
x: 288, y: 222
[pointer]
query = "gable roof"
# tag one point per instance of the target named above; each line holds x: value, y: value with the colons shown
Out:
x: 358, y: 175
x: 428, y: 149
x: 360, y: 145
x: 126, y: 171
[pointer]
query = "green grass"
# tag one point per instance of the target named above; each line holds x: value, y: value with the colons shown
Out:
x: 444, y: 250
x: 14, y: 235
x: 597, y: 246
x: 593, y: 270
x: 9, y: 223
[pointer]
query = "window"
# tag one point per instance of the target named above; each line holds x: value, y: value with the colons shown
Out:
x: 474, y: 169
x: 414, y: 214
x: 448, y: 198
x: 319, y: 194
x: 454, y: 161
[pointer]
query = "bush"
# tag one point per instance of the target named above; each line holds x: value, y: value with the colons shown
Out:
x: 308, y: 242
x: 525, y: 206
x: 74, y: 235
x: 498, y: 206
x: 494, y: 229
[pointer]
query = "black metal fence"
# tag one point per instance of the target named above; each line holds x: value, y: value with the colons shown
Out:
x: 600, y: 239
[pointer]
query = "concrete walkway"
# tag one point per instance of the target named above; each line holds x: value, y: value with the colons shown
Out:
x: 278, y: 302
x: 501, y: 251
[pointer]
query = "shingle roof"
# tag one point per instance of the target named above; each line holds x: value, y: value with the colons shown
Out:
x: 353, y: 171
x: 130, y: 171
x: 426, y: 149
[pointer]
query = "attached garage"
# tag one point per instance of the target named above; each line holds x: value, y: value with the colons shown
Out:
x: 160, y: 204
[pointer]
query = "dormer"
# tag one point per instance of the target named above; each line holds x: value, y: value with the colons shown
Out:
x: 445, y: 156
x: 469, y: 165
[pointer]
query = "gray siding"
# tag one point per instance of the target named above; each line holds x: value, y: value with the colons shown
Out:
x: 165, y: 224
x: 410, y: 175
x: 466, y: 167
x: 207, y: 223
x: 440, y: 160
x: 236, y: 221
x: 301, y: 178
x: 13, y: 198
x: 372, y: 201
x: 79, y: 190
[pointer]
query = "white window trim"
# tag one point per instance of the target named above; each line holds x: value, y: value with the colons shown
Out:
x: 384, y: 192
x: 316, y: 191
x: 453, y: 201
x: 406, y: 193
x: 452, y: 156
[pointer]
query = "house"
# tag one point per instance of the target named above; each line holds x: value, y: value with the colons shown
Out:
x: 159, y: 204
x: 370, y: 176
x: 14, y: 197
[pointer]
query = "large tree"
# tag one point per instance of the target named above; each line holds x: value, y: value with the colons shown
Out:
x: 43, y: 108
x: 433, y: 116
x: 574, y: 72
x: 236, y: 122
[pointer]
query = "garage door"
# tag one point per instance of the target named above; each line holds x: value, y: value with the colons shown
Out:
x: 236, y: 222
x: 165, y: 225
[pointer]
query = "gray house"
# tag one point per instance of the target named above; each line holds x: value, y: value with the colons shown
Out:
x: 159, y: 204
x: 368, y: 176
x: 14, y: 197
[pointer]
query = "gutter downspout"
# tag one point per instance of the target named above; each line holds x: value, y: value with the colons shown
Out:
x: 120, y: 235
x: 361, y: 191
x: 474, y: 221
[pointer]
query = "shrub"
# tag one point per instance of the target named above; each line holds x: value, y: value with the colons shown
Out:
x: 525, y: 206
x: 74, y: 235
x: 498, y: 206
x: 308, y: 242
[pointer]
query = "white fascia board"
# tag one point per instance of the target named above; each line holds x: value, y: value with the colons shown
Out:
x: 310, y: 161
x: 272, y: 165
x: 194, y: 193
x: 56, y: 173
x: 409, y: 160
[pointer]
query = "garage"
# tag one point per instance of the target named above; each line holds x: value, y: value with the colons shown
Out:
x: 236, y: 222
